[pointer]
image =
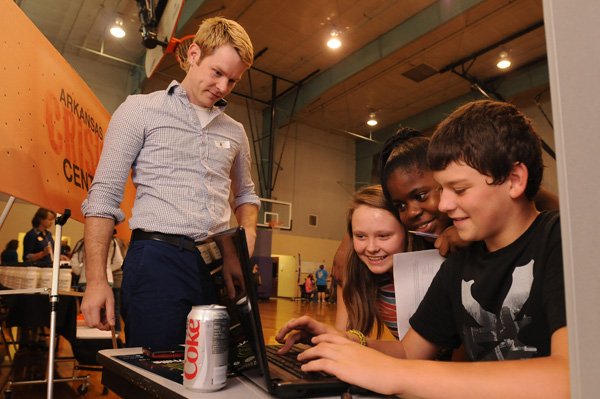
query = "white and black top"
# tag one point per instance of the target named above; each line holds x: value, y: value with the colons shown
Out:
x: 500, y: 305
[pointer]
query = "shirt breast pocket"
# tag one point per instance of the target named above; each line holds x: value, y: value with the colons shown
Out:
x: 221, y: 154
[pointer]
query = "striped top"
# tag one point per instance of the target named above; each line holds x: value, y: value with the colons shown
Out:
x: 386, y: 302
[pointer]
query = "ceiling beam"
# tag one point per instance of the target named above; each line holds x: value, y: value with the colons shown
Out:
x: 410, y: 30
x: 522, y: 80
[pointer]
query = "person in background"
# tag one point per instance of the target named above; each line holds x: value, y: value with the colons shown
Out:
x: 256, y: 278
x: 38, y: 243
x: 502, y: 297
x: 65, y: 249
x: 321, y: 275
x: 118, y: 281
x: 120, y: 243
x: 332, y: 288
x: 309, y: 288
x: 9, y: 256
x: 77, y: 263
x: 187, y: 159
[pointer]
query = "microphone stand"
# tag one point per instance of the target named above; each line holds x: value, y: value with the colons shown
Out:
x: 60, y: 221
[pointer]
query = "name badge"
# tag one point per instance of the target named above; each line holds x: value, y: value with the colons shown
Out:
x: 223, y: 144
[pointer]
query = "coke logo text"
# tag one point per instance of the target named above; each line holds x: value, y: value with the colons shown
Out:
x: 191, y: 350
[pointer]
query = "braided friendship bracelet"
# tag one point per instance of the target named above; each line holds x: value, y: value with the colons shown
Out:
x: 358, y: 334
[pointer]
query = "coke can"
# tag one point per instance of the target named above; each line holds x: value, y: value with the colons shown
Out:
x: 206, y: 348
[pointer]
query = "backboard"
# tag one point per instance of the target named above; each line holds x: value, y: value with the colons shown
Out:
x: 275, y: 214
x: 164, y: 33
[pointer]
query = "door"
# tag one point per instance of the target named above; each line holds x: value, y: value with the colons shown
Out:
x: 287, y: 276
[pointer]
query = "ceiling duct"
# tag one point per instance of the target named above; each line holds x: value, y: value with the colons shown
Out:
x: 420, y: 73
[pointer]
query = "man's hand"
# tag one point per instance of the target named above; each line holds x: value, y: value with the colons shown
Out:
x: 98, y: 306
x: 232, y: 273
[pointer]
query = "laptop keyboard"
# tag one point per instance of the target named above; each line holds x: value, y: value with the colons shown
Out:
x: 290, y: 363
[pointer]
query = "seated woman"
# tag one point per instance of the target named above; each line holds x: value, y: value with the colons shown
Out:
x: 309, y: 288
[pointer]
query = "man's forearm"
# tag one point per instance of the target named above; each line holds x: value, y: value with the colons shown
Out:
x: 247, y: 216
x: 97, y: 237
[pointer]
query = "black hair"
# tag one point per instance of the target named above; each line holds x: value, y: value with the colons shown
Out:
x: 406, y: 149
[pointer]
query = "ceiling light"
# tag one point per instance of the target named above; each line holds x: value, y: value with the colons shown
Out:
x: 372, y: 121
x: 504, y: 62
x: 117, y: 28
x: 334, y: 41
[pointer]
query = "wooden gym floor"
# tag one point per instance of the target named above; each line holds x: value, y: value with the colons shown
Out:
x: 32, y: 364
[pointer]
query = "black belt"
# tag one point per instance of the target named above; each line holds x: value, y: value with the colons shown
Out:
x: 179, y: 241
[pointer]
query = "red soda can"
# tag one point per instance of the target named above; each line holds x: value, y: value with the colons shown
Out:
x: 206, y: 348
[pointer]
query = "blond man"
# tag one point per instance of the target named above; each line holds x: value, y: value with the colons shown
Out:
x: 185, y: 153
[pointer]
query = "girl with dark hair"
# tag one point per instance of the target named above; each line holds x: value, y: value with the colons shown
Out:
x: 38, y: 242
x: 408, y: 184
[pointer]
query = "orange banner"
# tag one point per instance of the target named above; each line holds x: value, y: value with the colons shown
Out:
x: 52, y: 126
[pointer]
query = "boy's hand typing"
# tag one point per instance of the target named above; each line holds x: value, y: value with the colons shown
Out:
x: 352, y: 363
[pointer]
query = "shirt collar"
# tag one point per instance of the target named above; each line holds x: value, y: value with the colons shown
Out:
x: 175, y: 88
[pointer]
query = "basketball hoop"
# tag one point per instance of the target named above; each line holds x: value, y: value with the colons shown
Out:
x: 274, y: 224
x: 161, y: 39
x: 180, y: 48
x: 275, y: 215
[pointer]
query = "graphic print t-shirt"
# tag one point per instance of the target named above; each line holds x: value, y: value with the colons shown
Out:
x: 321, y: 275
x: 501, y: 305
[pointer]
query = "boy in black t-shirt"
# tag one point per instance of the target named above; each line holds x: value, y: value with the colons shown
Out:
x: 502, y: 297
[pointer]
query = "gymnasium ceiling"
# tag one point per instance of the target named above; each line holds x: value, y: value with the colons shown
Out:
x: 399, y: 59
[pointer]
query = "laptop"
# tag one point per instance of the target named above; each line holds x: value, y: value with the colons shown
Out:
x: 248, y: 354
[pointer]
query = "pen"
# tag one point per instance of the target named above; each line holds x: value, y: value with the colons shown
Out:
x: 422, y: 234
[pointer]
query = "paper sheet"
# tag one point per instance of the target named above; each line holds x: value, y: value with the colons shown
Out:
x: 413, y: 272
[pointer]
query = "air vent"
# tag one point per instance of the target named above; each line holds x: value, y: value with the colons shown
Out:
x: 420, y: 73
x: 312, y: 220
